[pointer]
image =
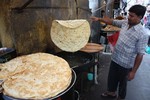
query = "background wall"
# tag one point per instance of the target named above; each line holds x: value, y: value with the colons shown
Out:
x: 28, y: 31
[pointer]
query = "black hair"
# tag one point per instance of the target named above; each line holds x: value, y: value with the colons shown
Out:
x: 139, y: 10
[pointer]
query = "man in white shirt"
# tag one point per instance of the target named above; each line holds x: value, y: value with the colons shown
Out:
x: 128, y: 52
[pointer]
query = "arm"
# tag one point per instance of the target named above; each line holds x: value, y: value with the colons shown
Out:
x: 137, y: 63
x: 105, y: 19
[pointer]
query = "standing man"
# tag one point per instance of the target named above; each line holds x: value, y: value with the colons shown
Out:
x: 128, y: 52
x: 147, y: 17
x: 147, y: 25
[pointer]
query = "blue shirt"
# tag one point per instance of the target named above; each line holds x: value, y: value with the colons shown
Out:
x: 130, y: 42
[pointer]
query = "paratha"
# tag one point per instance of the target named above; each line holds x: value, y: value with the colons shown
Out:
x: 111, y: 28
x: 70, y: 35
x: 39, y: 76
x: 9, y: 68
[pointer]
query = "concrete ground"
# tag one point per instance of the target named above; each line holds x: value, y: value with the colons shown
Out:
x: 138, y: 89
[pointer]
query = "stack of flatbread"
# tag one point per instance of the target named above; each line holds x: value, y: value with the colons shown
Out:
x: 70, y: 35
x: 35, y: 76
x: 111, y: 28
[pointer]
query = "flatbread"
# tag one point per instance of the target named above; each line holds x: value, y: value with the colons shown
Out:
x: 92, y: 48
x: 11, y: 67
x: 70, y: 35
x: 111, y: 28
x: 39, y: 76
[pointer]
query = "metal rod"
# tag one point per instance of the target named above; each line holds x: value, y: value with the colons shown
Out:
x: 20, y: 9
x: 103, y: 6
x: 39, y: 8
x: 85, y: 9
x: 25, y: 5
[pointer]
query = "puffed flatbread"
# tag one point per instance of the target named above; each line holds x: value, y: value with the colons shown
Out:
x: 37, y: 76
x: 70, y: 35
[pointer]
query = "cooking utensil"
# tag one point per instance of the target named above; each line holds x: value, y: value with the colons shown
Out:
x: 79, y: 60
x: 52, y: 98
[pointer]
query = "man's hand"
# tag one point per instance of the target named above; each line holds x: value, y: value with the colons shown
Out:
x: 137, y: 63
x: 105, y: 19
x: 131, y: 75
x: 95, y: 18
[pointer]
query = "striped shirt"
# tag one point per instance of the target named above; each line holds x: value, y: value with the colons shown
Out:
x: 130, y: 42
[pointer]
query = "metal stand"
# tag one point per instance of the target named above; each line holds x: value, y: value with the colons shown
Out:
x: 96, y: 67
x: 94, y: 49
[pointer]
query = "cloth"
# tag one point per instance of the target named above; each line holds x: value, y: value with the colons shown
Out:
x: 113, y: 38
x: 130, y: 42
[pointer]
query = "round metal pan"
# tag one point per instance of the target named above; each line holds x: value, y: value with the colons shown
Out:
x: 77, y: 60
x: 5, y: 97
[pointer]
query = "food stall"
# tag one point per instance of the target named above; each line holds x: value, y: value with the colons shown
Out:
x: 26, y: 27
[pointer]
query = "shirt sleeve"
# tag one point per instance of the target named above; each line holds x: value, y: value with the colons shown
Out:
x: 118, y: 23
x: 142, y: 43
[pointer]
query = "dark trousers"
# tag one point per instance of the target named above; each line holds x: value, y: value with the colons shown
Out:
x: 117, y: 79
x: 148, y: 41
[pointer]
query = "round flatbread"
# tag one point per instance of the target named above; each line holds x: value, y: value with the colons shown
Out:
x: 70, y: 35
x: 111, y: 28
x: 39, y: 76
x: 11, y: 67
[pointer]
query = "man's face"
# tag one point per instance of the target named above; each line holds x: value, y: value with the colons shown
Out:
x: 133, y: 19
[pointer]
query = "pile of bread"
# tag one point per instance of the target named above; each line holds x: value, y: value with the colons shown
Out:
x: 35, y: 76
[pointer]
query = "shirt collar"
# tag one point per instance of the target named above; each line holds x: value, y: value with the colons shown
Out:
x: 137, y: 27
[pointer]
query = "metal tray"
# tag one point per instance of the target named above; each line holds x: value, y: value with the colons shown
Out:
x: 77, y: 60
x: 5, y: 97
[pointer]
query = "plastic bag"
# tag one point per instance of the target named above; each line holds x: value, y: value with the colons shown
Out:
x: 113, y: 38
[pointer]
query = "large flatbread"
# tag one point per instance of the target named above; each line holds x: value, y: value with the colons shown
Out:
x: 70, y: 35
x: 37, y: 76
